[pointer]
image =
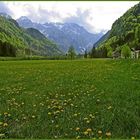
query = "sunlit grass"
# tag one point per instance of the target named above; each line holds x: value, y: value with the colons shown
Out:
x: 70, y: 99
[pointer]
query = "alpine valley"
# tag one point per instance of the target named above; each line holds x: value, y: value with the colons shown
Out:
x: 17, y: 41
x: 64, y: 34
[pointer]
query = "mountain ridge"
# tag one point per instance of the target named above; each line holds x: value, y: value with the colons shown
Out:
x: 125, y: 31
x: 12, y: 36
x: 64, y: 34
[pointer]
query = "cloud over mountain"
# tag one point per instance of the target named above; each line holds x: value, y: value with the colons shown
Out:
x: 5, y: 9
x: 93, y: 16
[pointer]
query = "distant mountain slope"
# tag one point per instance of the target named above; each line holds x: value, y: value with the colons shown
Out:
x: 125, y: 30
x: 35, y: 33
x: 102, y: 39
x: 50, y: 46
x: 23, y: 40
x: 65, y: 34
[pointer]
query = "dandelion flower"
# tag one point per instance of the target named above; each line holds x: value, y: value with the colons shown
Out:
x: 24, y: 118
x: 132, y: 138
x: 22, y: 103
x: 33, y: 116
x: 85, y: 133
x: 89, y: 130
x: 108, y: 134
x: 5, y: 113
x: 100, y: 132
x: 85, y: 118
x: 77, y: 129
x: 2, y: 135
x: 78, y: 137
x: 9, y: 115
x: 57, y: 111
x: 49, y: 113
x: 75, y: 115
x: 109, y: 107
x: 87, y: 121
x: 5, y: 124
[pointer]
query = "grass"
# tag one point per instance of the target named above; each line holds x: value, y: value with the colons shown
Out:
x: 70, y: 99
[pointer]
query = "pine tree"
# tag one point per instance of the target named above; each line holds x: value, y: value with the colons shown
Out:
x: 86, y: 54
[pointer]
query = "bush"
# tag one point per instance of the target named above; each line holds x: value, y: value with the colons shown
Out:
x: 125, y: 51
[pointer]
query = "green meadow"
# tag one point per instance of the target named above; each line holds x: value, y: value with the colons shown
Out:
x: 97, y: 98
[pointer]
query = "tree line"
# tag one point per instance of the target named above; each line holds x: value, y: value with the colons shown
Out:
x: 6, y: 49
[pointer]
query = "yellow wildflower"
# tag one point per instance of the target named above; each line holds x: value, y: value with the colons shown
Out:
x: 85, y: 118
x: 5, y: 124
x: 5, y: 113
x: 75, y: 115
x: 24, y: 118
x: 77, y: 129
x: 89, y: 130
x: 78, y: 137
x: 100, y: 132
x: 33, y: 116
x: 2, y: 135
x: 85, y: 133
x: 9, y: 115
x: 49, y: 113
x: 22, y: 103
x: 109, y: 107
x: 108, y: 134
x: 57, y: 111
x: 132, y: 138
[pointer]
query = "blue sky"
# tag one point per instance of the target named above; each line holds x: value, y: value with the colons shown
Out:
x: 94, y: 16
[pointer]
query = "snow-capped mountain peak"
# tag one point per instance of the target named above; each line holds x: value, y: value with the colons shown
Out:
x: 64, y: 34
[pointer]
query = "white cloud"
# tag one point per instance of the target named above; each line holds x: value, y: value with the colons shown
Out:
x: 4, y: 9
x: 94, y: 16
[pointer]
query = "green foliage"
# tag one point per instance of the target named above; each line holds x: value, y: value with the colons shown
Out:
x: 109, y: 51
x: 102, y: 39
x: 109, y: 54
x: 126, y: 52
x: 6, y: 49
x: 85, y: 54
x: 125, y: 30
x: 98, y: 53
x: 22, y: 40
x: 71, y: 52
x: 93, y: 53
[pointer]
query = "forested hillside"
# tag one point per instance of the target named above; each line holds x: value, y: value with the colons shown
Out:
x: 125, y: 32
x: 64, y: 34
x: 16, y: 41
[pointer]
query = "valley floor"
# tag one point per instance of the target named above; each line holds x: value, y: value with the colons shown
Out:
x: 70, y: 99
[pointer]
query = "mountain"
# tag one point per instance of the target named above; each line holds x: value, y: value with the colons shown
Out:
x: 15, y: 40
x: 124, y: 31
x: 102, y: 39
x: 64, y: 34
x: 5, y: 15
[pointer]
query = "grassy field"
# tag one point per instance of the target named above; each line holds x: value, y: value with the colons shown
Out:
x: 70, y: 99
